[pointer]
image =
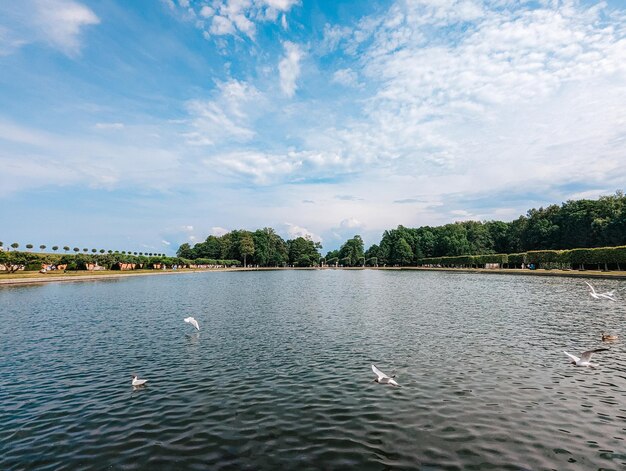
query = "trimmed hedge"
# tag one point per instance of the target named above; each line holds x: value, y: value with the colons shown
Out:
x: 574, y: 258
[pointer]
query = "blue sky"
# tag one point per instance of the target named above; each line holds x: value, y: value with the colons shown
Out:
x: 141, y: 125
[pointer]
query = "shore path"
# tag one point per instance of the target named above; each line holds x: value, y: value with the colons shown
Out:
x: 21, y: 278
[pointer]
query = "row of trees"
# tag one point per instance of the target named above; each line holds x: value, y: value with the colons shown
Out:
x: 66, y: 249
x: 574, y: 224
x: 263, y: 247
x: 15, y: 260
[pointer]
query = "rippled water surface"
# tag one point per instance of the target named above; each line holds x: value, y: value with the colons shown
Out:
x: 279, y: 376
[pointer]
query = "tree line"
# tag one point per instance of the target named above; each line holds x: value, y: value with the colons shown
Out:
x: 15, y: 246
x: 263, y: 247
x: 574, y: 224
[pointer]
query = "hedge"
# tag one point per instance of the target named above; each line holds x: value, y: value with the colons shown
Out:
x: 574, y: 258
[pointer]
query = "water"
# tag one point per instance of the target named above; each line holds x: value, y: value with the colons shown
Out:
x: 279, y: 376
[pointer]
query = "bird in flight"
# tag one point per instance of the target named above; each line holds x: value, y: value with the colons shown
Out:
x: 605, y: 295
x: 382, y: 378
x: 192, y: 321
x: 138, y: 382
x: 585, y: 357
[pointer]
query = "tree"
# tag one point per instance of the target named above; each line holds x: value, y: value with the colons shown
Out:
x: 109, y: 251
x: 101, y: 250
x: 85, y: 250
x: 29, y: 246
x: 402, y: 251
x: 66, y: 248
x: 15, y: 245
x: 94, y: 250
x: 76, y: 249
x: 185, y: 251
x: 352, y: 251
x: 55, y: 247
x: 246, y: 245
x: 42, y: 247
x: 303, y: 252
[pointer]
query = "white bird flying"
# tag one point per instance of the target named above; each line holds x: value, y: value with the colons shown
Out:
x: 594, y: 295
x: 382, y: 378
x: 138, y: 382
x: 192, y: 321
x: 585, y: 358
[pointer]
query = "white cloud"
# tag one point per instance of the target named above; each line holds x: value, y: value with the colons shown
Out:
x: 237, y: 17
x: 264, y: 168
x: 218, y: 231
x: 165, y: 242
x: 109, y: 126
x: 31, y: 158
x: 294, y: 231
x: 346, y: 77
x: 188, y: 228
x: 289, y: 68
x: 351, y: 223
x: 226, y: 116
x: 56, y: 22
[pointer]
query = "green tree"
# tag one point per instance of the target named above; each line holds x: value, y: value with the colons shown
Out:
x: 55, y: 247
x: 352, y: 251
x: 42, y: 247
x: 15, y: 245
x: 29, y: 246
x: 76, y: 249
x: 402, y: 252
x: 185, y: 251
x: 246, y: 245
x: 66, y: 248
x: 303, y: 252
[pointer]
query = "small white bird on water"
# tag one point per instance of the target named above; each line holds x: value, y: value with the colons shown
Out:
x: 382, y: 378
x: 585, y: 358
x: 594, y: 295
x: 138, y: 382
x: 192, y: 321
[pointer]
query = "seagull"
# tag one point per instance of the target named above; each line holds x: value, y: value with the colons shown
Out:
x: 138, y: 382
x: 192, y: 321
x: 382, y: 378
x: 585, y: 358
x: 606, y: 295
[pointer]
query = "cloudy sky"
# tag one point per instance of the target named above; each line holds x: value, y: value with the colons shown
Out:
x: 141, y: 125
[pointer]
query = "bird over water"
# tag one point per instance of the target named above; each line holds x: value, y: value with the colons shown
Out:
x: 192, y: 321
x: 382, y: 378
x: 585, y: 357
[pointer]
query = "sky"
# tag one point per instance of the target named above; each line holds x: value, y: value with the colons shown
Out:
x: 141, y: 125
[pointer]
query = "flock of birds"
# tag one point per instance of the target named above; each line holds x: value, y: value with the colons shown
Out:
x: 585, y: 357
x: 382, y: 378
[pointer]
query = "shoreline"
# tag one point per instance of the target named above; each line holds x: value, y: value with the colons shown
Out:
x: 38, y: 278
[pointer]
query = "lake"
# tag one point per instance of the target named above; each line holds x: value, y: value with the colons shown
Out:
x: 279, y: 376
